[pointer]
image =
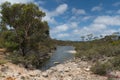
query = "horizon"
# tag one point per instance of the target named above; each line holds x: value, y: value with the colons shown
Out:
x: 69, y: 20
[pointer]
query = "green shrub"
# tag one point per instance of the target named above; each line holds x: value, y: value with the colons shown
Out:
x: 10, y: 46
x: 100, y: 68
x: 116, y: 62
x: 116, y: 42
x: 2, y: 61
x: 31, y: 59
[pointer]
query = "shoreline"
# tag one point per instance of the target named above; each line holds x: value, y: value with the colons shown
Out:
x: 69, y: 70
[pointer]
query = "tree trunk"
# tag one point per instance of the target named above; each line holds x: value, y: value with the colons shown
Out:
x: 23, y: 48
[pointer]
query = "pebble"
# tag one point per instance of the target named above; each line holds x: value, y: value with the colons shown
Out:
x: 44, y: 74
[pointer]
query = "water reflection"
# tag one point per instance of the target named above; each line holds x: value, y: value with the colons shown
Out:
x: 62, y: 54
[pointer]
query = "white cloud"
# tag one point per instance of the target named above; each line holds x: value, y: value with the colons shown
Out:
x: 62, y: 35
x: 74, y: 24
x: 50, y: 19
x: 96, y: 8
x: 99, y: 26
x: 60, y: 1
x: 78, y: 11
x: 50, y: 15
x: 108, y: 20
x: 59, y: 29
x: 40, y: 2
x: 110, y: 11
x: 116, y: 4
x: 60, y: 9
x: 86, y: 18
x: 118, y: 11
x: 93, y: 28
x: 16, y: 1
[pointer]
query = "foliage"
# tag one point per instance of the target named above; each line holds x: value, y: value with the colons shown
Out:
x: 101, y: 68
x: 24, y: 34
x: 9, y: 40
x: 92, y: 50
x: 33, y: 60
x: 27, y: 25
x: 2, y: 61
x: 104, y: 50
x: 116, y: 62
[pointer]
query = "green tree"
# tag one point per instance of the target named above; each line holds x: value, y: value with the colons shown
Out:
x: 82, y: 38
x: 26, y: 23
x: 90, y: 36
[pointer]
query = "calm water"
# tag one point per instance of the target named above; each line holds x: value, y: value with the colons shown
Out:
x: 61, y: 55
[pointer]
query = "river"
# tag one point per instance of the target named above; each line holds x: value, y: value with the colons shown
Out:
x: 62, y: 54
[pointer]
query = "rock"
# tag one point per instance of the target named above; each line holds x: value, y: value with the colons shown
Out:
x: 4, y: 68
x: 34, y: 73
x: 56, y: 63
x: 67, y: 78
x: 87, y: 69
x: 66, y: 69
x: 44, y: 74
x: 23, y: 77
x: 72, y: 51
x: 10, y: 78
x: 60, y: 68
x: 54, y: 78
x: 49, y: 71
x: 16, y: 74
x: 114, y: 74
x: 21, y: 65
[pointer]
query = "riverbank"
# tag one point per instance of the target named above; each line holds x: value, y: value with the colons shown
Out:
x: 70, y: 70
x: 75, y: 69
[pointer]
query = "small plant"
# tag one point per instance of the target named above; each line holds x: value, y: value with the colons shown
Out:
x: 111, y: 79
x: 116, y: 62
x: 2, y: 61
x: 100, y: 68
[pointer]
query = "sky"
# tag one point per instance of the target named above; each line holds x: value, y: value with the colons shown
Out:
x: 71, y: 19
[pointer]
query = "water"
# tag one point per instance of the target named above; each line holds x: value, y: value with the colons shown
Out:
x: 62, y: 54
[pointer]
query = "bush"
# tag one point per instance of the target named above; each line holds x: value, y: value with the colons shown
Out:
x: 116, y: 62
x: 2, y: 61
x: 31, y: 60
x: 10, y: 46
x: 100, y: 68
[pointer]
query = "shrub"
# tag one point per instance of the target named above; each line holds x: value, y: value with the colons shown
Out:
x: 10, y: 46
x: 2, y: 61
x: 100, y: 68
x: 116, y: 62
x: 31, y: 60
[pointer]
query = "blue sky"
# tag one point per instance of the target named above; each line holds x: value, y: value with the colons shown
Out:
x: 71, y: 19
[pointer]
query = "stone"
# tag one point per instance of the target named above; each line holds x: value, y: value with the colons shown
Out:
x: 60, y: 68
x: 49, y: 71
x: 67, y: 78
x: 66, y: 69
x: 23, y: 77
x: 44, y: 74
x: 54, y: 78
x: 10, y: 78
x: 56, y: 63
x: 4, y: 68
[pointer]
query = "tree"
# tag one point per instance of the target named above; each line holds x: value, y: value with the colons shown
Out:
x: 83, y: 38
x: 115, y: 35
x: 90, y: 36
x: 26, y: 23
